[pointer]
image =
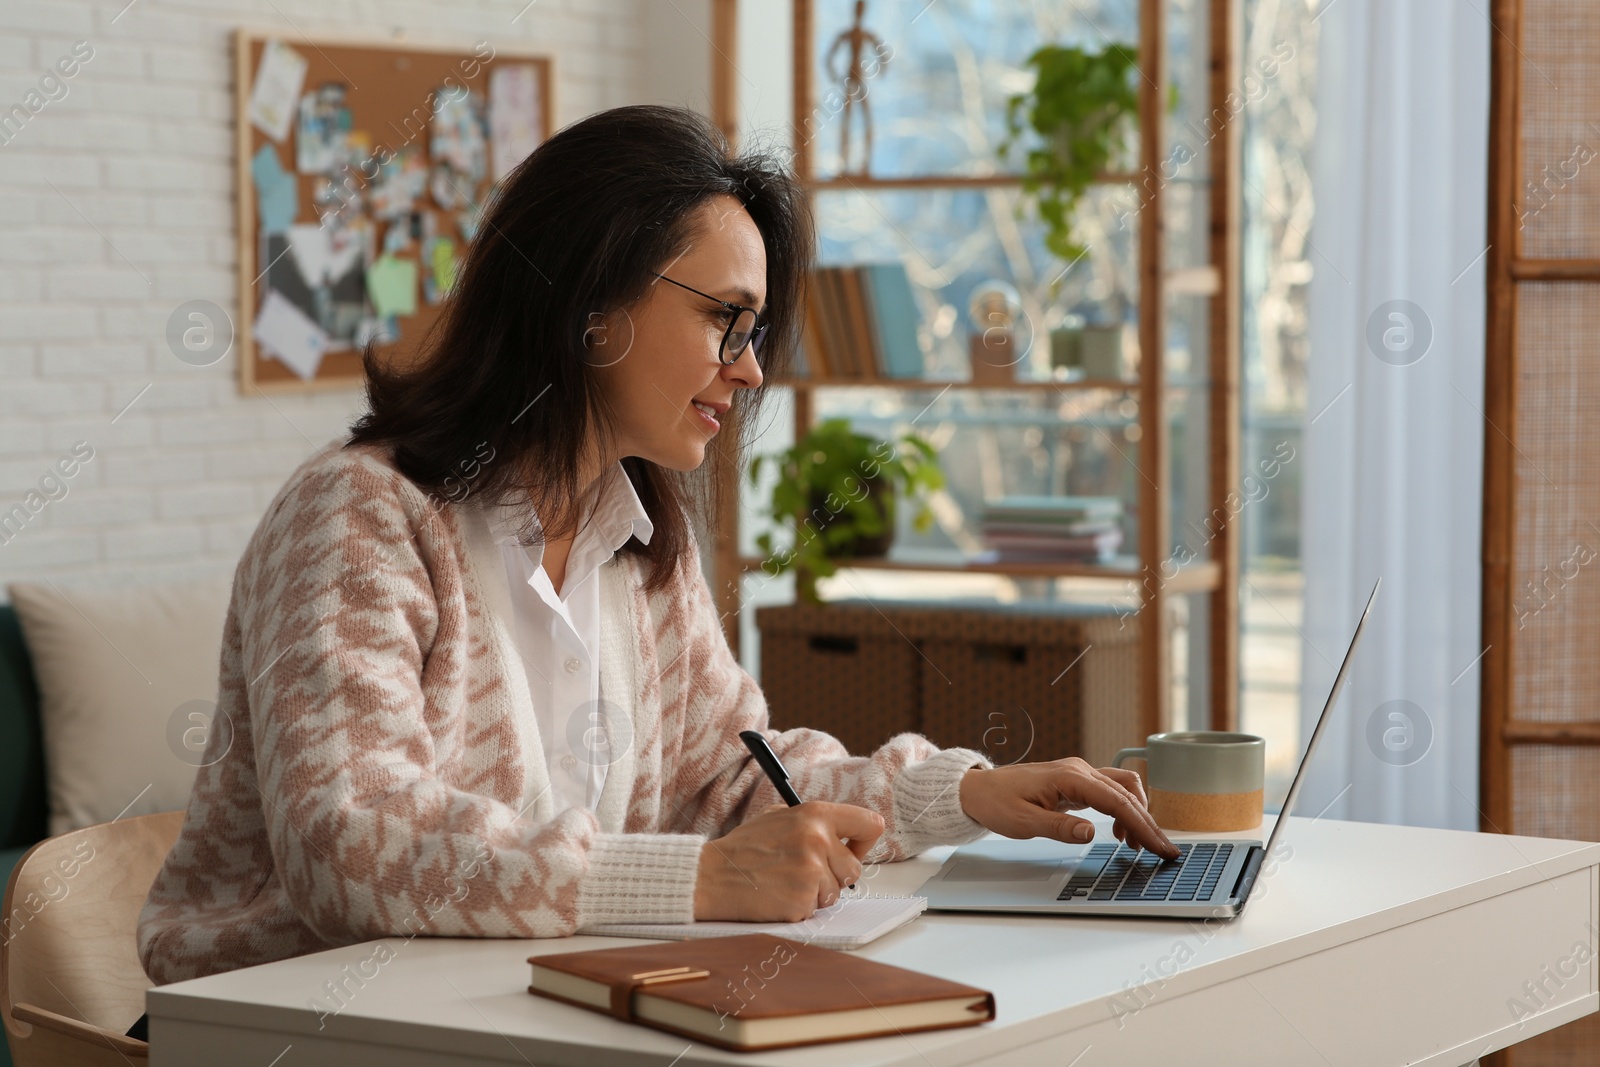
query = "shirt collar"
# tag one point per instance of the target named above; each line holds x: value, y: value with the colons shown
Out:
x: 619, y: 514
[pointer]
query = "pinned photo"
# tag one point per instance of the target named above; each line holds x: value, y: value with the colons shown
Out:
x: 401, y: 180
x: 516, y: 115
x: 459, y: 147
x: 324, y: 129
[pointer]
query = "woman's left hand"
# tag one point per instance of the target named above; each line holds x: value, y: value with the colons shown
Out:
x: 1032, y: 800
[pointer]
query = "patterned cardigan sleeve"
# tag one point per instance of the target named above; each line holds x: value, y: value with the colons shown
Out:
x: 910, y: 781
x: 359, y: 767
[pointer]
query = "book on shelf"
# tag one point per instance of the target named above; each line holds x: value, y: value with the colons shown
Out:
x: 1068, y: 528
x: 1099, y: 547
x: 861, y: 324
x: 894, y: 319
x: 757, y: 991
x: 858, y: 326
x: 1043, y: 528
x: 1052, y: 510
x: 815, y: 358
x: 830, y: 305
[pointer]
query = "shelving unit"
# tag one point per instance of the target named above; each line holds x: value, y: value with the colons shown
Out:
x: 1216, y: 281
x: 1195, y: 578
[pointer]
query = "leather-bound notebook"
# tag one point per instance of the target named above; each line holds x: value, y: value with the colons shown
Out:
x: 757, y: 991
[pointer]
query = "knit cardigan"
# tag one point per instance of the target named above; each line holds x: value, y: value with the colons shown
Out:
x: 375, y: 770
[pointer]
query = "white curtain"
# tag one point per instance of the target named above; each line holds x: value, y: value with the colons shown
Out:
x: 1395, y: 424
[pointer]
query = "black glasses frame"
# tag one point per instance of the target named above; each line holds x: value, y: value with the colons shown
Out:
x: 756, y: 334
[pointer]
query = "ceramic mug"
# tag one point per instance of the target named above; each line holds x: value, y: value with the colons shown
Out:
x: 1203, y: 779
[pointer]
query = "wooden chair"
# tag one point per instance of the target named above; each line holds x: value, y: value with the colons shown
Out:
x: 70, y: 979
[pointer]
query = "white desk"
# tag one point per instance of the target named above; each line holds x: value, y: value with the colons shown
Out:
x: 1370, y: 945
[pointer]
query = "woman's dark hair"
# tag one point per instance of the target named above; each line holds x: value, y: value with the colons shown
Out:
x: 504, y: 389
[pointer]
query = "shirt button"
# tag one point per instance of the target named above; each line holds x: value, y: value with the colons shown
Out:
x: 569, y: 761
x: 572, y: 665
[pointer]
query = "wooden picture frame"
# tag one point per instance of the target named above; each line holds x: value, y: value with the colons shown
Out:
x: 391, y: 91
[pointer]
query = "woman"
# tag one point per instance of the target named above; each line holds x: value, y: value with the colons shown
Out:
x: 476, y: 682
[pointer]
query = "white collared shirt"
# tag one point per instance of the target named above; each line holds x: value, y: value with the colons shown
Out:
x: 559, y: 635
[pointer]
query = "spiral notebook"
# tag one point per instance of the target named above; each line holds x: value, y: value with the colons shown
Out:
x: 849, y: 923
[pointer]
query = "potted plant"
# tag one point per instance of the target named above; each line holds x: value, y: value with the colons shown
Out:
x: 1080, y: 109
x: 836, y: 490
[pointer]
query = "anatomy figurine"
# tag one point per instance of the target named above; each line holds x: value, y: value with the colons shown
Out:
x: 854, y: 80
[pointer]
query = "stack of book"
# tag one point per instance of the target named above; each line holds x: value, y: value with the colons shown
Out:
x: 1037, y: 528
x: 861, y: 324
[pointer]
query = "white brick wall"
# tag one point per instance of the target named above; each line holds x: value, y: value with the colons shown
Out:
x: 116, y: 205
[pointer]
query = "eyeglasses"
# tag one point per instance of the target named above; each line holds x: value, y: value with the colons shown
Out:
x: 744, y: 331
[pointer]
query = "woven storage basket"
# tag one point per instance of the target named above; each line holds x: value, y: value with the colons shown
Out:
x: 838, y: 668
x: 1017, y: 683
x: 1031, y: 684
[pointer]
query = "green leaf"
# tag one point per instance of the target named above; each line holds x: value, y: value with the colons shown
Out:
x: 830, y: 463
x: 1079, y: 109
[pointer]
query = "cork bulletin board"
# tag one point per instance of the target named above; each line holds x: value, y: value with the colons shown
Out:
x: 363, y: 171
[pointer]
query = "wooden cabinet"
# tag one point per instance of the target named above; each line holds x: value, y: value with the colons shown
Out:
x: 1017, y: 683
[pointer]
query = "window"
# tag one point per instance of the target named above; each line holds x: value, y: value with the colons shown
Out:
x: 1277, y: 211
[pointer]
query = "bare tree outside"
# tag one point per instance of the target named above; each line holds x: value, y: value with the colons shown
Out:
x: 938, y: 93
x: 1278, y: 263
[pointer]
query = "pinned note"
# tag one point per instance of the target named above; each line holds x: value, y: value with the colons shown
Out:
x: 276, y: 94
x: 392, y: 285
x: 283, y: 331
x: 440, y: 255
x: 321, y: 259
x: 277, y: 197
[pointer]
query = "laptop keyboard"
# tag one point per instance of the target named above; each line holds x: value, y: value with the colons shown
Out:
x: 1117, y: 872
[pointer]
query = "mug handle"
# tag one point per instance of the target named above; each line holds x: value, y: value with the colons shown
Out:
x: 1129, y: 753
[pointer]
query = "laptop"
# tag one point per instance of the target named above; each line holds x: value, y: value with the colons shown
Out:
x: 1210, y: 879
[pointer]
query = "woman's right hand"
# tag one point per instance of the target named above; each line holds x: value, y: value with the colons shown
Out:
x: 785, y: 863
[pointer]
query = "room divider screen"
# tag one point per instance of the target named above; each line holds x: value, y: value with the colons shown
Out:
x: 1541, y: 531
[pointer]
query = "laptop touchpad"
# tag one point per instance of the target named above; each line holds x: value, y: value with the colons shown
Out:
x: 988, y: 869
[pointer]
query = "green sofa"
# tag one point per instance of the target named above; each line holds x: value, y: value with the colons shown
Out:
x: 24, y: 803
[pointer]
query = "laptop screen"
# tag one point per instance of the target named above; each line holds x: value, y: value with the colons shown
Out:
x: 1322, y: 720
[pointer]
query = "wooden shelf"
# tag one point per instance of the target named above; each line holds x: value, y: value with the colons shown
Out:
x: 1194, y: 281
x: 862, y: 182
x: 1195, y: 578
x: 1125, y: 385
x: 1187, y: 281
x: 944, y: 181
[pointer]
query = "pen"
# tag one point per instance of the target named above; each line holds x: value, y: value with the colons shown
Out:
x: 768, y: 759
x: 772, y: 767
